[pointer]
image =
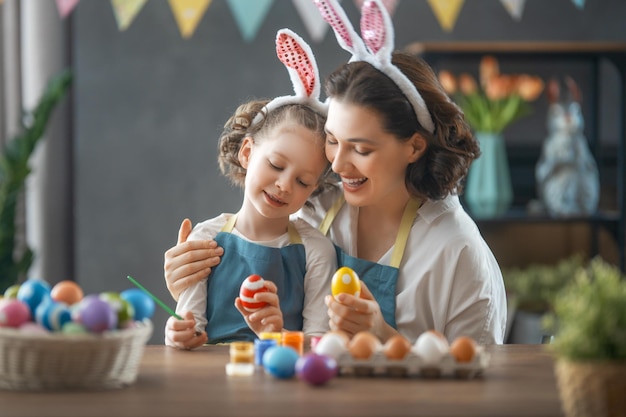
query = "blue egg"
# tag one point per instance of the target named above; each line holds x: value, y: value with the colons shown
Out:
x: 52, y: 315
x: 280, y: 361
x: 141, y: 302
x: 33, y: 292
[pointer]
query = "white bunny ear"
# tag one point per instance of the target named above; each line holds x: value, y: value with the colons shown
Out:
x: 346, y: 36
x: 375, y: 47
x: 300, y: 62
x: 377, y: 30
x: 297, y: 56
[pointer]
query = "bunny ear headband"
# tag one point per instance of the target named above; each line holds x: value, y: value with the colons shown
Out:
x: 374, y: 48
x: 297, y: 56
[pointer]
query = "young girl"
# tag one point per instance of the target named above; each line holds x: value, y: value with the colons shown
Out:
x: 402, y: 150
x: 275, y: 152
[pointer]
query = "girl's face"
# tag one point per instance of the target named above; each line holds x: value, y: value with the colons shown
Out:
x: 283, y: 169
x: 370, y: 161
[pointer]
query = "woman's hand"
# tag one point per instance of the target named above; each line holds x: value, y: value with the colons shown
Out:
x: 182, y: 334
x: 352, y: 314
x: 268, y: 318
x: 189, y: 262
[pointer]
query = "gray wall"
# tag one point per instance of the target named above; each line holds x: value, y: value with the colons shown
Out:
x: 148, y: 106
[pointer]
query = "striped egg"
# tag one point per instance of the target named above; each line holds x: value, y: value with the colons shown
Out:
x: 250, y: 286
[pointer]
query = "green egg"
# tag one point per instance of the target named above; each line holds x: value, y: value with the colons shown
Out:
x: 124, y: 309
x: 11, y: 292
x: 73, y: 328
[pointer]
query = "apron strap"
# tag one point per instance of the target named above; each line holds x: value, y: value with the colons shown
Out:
x: 410, y: 212
x: 408, y: 217
x: 294, y: 236
x: 331, y: 214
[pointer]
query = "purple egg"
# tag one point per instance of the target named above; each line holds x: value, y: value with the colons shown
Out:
x: 316, y: 369
x: 95, y: 314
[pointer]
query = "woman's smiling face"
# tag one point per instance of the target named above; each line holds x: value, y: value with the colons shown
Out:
x: 370, y: 161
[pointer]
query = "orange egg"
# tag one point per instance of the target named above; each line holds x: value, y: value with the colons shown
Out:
x: 463, y: 349
x: 67, y: 292
x: 396, y: 347
x: 363, y: 345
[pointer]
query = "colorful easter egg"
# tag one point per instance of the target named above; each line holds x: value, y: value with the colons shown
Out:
x: 250, y: 286
x: 95, y: 314
x: 52, y: 315
x: 345, y: 280
x: 11, y: 292
x: 67, y: 292
x: 13, y: 313
x: 33, y: 292
x: 141, y: 302
x: 316, y: 369
x: 73, y: 328
x: 32, y: 327
x: 280, y: 361
x: 124, y: 309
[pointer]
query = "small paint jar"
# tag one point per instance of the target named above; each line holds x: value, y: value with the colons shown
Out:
x: 294, y: 340
x: 260, y: 346
x: 272, y: 335
x: 241, y: 359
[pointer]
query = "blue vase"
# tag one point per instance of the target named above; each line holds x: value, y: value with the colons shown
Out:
x: 488, y: 191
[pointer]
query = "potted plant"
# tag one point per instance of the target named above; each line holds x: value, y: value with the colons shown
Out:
x: 589, y: 321
x: 530, y: 293
x: 13, y: 172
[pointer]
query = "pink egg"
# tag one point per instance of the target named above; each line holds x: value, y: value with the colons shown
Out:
x: 250, y: 286
x: 13, y: 313
x: 32, y: 327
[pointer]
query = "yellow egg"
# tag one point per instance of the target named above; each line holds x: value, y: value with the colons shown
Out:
x: 346, y: 281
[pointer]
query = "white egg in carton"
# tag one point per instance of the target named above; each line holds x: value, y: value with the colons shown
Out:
x: 412, y: 365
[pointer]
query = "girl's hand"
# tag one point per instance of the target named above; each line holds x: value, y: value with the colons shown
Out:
x: 268, y: 318
x: 352, y: 314
x: 189, y: 262
x: 182, y: 334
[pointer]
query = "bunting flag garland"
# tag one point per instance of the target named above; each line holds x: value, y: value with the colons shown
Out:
x: 514, y: 7
x: 125, y: 11
x: 249, y: 14
x: 65, y: 7
x: 446, y: 12
x: 579, y: 3
x: 390, y: 5
x: 188, y: 14
x: 315, y: 24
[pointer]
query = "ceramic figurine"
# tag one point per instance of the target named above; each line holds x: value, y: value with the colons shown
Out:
x: 566, y: 173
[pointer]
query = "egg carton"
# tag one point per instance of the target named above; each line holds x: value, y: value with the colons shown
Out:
x: 413, y: 366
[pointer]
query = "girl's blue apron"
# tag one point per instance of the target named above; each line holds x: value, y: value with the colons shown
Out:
x: 380, y: 279
x: 285, y: 267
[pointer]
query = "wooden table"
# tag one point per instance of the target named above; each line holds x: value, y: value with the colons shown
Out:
x: 519, y: 381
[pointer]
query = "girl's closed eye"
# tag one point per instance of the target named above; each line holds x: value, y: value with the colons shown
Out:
x: 275, y: 166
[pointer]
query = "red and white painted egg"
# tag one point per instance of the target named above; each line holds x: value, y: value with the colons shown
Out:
x: 250, y: 286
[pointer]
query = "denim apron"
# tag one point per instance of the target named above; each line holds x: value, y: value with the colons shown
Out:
x: 286, y: 267
x: 380, y: 279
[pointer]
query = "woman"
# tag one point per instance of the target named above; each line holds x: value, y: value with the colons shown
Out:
x: 401, y: 149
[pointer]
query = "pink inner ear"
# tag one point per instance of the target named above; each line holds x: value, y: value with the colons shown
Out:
x: 372, y: 26
x: 331, y: 16
x: 294, y: 56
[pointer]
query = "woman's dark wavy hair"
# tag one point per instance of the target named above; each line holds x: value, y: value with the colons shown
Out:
x: 451, y: 148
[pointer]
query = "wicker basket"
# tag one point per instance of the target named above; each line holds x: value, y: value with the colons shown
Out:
x: 592, y: 389
x: 30, y: 361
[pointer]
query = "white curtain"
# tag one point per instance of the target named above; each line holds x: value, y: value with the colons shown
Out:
x: 35, y: 47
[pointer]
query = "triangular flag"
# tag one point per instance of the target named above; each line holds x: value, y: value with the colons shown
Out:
x: 188, y: 14
x: 390, y: 5
x: 313, y: 20
x: 446, y: 12
x: 514, y: 7
x: 65, y: 7
x: 249, y: 15
x: 579, y: 3
x: 125, y: 11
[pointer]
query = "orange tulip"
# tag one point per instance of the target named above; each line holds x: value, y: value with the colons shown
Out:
x: 447, y: 81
